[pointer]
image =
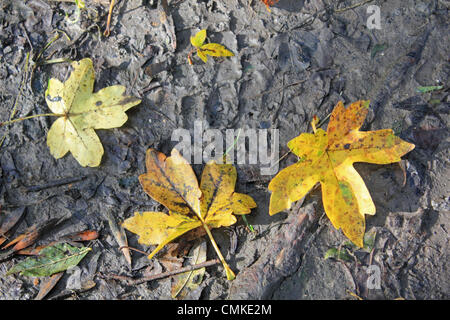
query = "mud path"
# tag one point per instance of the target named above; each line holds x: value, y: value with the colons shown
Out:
x: 289, y: 65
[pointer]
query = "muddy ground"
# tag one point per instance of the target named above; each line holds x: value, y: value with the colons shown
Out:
x: 290, y: 64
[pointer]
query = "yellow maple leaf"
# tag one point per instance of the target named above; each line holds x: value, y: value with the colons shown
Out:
x: 328, y: 157
x: 81, y: 111
x: 172, y: 182
x: 208, y: 49
x: 199, y: 38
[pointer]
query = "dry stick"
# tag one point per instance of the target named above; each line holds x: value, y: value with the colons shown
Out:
x: 189, y: 56
x: 56, y: 60
x: 73, y: 1
x: 134, y: 249
x: 165, y: 116
x: 281, y: 158
x: 14, y: 109
x: 323, y: 121
x: 56, y: 37
x: 40, y: 54
x: 120, y: 236
x: 31, y: 117
x: 166, y: 274
x: 353, y: 6
x: 108, y: 22
x: 55, y: 183
x: 279, y: 89
x: 312, y: 18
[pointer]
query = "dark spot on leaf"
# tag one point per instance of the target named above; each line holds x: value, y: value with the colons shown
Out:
x: 98, y: 103
x: 347, y: 146
x: 55, y: 99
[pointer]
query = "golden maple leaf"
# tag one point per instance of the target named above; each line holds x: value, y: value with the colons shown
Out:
x: 208, y: 49
x: 172, y: 182
x: 81, y: 111
x: 328, y: 157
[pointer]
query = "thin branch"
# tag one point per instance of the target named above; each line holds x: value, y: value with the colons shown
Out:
x: 131, y: 281
x: 55, y: 183
x: 31, y: 117
x: 108, y: 21
x: 352, y: 6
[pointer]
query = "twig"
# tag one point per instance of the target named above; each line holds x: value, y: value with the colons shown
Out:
x: 121, y: 238
x: 134, y: 249
x: 52, y: 61
x: 165, y: 116
x: 279, y: 89
x: 323, y: 121
x: 281, y: 158
x: 352, y: 6
x: 131, y: 281
x: 151, y: 86
x: 73, y: 1
x: 31, y: 117
x: 108, y: 22
x: 14, y: 108
x: 313, y: 17
x: 38, y: 57
x: 56, y: 183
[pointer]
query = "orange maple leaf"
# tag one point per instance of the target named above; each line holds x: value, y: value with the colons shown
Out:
x: 269, y: 3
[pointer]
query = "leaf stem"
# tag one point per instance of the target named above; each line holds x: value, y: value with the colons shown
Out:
x: 31, y: 117
x: 108, y: 21
x: 229, y: 272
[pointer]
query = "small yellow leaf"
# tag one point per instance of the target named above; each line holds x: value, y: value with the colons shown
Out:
x: 211, y: 49
x: 202, y: 55
x: 198, y: 40
x: 216, y: 50
x: 81, y: 111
